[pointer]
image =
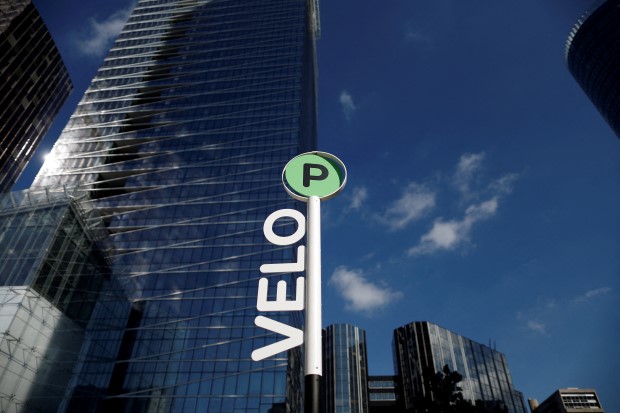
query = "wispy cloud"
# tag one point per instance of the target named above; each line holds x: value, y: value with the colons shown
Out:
x: 537, y: 327
x: 415, y: 202
x: 348, y: 105
x: 447, y: 235
x: 358, y: 197
x: 360, y: 294
x: 504, y: 185
x: 102, y: 33
x: 466, y: 171
x: 589, y: 295
x: 531, y: 320
x: 546, y: 313
x: 416, y: 37
x: 467, y: 177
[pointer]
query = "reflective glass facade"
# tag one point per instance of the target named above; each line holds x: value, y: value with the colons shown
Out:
x: 424, y: 348
x: 34, y: 84
x: 179, y: 145
x: 345, y: 369
x: 55, y: 281
x: 593, y: 58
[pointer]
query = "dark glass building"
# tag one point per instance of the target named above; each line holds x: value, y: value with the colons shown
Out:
x: 34, y: 84
x: 179, y: 145
x: 345, y: 369
x: 422, y: 349
x: 383, y: 394
x: 593, y: 58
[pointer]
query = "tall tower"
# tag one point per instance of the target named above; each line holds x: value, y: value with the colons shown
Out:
x: 422, y: 349
x: 34, y: 84
x: 345, y: 377
x: 593, y: 58
x: 179, y: 144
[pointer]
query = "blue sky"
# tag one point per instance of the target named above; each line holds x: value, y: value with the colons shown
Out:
x: 483, y: 190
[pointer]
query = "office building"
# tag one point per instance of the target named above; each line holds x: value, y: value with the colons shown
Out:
x: 345, y: 369
x: 383, y: 394
x: 593, y: 58
x: 571, y: 400
x: 34, y: 84
x: 179, y: 145
x: 422, y: 349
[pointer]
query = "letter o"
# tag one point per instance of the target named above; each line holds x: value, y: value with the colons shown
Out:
x: 290, y: 239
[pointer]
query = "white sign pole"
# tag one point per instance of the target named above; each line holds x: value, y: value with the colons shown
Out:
x: 313, y: 328
x: 309, y: 177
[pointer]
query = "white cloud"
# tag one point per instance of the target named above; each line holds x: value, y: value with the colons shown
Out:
x: 443, y: 235
x: 537, y: 327
x: 359, y: 196
x: 359, y: 293
x: 503, y: 185
x: 348, y: 106
x: 415, y: 201
x: 450, y: 234
x: 470, y: 163
x: 481, y: 211
x: 447, y: 235
x: 467, y: 168
x: 102, y: 33
x: 588, y: 295
x: 532, y: 322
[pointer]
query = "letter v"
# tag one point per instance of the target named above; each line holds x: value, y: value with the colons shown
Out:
x: 295, y: 338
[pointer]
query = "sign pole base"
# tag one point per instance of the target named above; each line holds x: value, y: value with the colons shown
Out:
x: 312, y: 399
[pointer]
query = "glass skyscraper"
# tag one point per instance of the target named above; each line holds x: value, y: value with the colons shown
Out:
x: 345, y: 371
x: 423, y: 349
x: 179, y: 145
x: 34, y: 84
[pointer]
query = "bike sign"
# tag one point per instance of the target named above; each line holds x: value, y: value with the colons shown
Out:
x: 319, y: 174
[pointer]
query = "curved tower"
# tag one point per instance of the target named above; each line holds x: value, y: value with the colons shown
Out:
x: 593, y: 58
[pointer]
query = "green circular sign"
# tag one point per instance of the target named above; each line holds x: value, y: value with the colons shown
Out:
x: 314, y: 174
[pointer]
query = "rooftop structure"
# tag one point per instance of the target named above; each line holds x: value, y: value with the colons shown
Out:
x: 571, y: 400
